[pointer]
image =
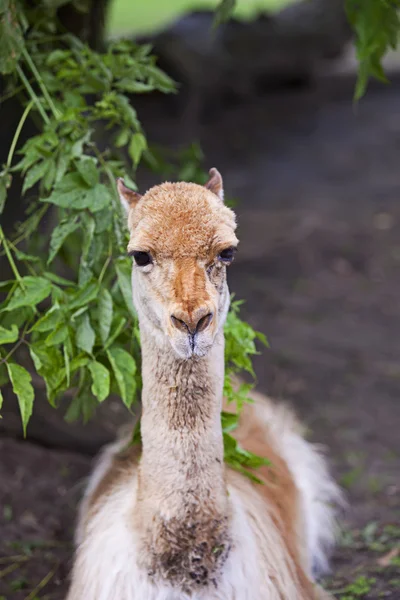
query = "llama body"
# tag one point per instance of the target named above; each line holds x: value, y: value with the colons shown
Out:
x: 169, y: 520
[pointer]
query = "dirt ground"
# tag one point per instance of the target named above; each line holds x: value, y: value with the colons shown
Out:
x: 319, y: 266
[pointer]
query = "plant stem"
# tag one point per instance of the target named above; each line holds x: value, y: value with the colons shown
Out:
x: 11, y: 93
x: 42, y: 583
x: 41, y: 212
x: 9, y: 569
x: 26, y: 263
x: 22, y: 340
x: 40, y: 81
x: 18, y: 132
x: 104, y: 268
x: 14, y: 558
x: 117, y: 231
x: 32, y: 94
x: 10, y: 258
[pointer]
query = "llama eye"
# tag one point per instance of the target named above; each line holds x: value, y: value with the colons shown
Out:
x: 227, y: 255
x: 142, y: 259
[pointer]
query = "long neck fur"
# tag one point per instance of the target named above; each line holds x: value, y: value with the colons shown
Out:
x: 183, y: 505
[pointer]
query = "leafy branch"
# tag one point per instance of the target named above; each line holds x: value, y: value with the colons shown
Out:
x: 69, y: 305
x: 67, y: 314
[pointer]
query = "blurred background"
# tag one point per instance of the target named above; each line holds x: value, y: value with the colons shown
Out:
x: 267, y: 98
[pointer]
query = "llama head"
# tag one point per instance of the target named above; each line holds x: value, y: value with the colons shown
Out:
x: 182, y: 238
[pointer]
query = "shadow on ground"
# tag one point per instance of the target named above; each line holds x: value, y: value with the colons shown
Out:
x: 319, y: 266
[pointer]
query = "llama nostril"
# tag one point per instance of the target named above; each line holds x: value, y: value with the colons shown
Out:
x: 179, y: 324
x: 192, y: 326
x: 204, y: 322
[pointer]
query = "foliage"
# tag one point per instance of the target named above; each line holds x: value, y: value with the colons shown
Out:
x: 67, y: 313
x: 224, y: 11
x: 376, y: 26
x: 359, y: 588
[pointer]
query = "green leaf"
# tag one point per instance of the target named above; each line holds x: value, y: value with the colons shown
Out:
x: 35, y: 290
x: 95, y: 199
x: 57, y: 279
x: 236, y: 393
x: 26, y: 257
x: 88, y: 172
x: 86, y: 261
x: 241, y: 460
x: 124, y: 269
x: 4, y: 378
x: 8, y: 336
x: 72, y: 192
x: 124, y: 369
x: 137, y: 145
x: 120, y: 326
x: 82, y: 405
x: 67, y: 362
x: 50, y: 176
x: 376, y: 25
x: 79, y: 361
x: 223, y: 12
x: 58, y: 336
x: 11, y: 38
x: 84, y: 296
x: 34, y: 174
x: 3, y: 195
x: 50, y: 320
x: 101, y: 380
x: 85, y: 336
x: 7, y: 283
x: 22, y: 387
x: 229, y: 421
x: 68, y: 192
x: 60, y: 234
x: 122, y: 138
x: 160, y: 80
x: 105, y: 313
x: 49, y: 364
x: 1, y: 401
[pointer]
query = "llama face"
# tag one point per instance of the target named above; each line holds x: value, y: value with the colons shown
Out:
x: 181, y: 240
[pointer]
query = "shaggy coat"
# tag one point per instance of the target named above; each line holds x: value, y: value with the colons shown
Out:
x: 168, y: 520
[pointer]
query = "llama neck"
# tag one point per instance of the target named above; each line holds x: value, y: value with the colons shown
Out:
x: 181, y: 423
x: 182, y: 499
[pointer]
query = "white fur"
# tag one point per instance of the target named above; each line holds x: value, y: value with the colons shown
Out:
x: 106, y: 566
x: 320, y: 496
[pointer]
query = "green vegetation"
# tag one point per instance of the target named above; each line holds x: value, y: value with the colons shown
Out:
x: 358, y: 589
x: 67, y: 314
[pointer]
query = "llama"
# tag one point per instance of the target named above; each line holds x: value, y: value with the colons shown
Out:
x: 170, y: 520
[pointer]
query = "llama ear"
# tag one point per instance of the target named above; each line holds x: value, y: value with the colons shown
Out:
x: 215, y: 183
x: 128, y: 197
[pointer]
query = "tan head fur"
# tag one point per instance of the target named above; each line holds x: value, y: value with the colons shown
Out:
x: 182, y: 237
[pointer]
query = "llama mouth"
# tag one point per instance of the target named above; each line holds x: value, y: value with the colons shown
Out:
x: 192, y: 341
x: 191, y: 346
x: 198, y: 348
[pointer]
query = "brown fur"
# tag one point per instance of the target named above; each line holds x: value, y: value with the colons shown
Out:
x: 123, y: 466
x: 181, y: 512
x: 189, y: 546
x: 197, y: 545
x: 278, y: 490
x: 188, y: 551
x: 181, y: 220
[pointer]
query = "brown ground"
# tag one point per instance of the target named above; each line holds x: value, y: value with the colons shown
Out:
x: 319, y: 266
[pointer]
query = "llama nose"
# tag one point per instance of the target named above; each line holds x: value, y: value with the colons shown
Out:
x: 192, y: 325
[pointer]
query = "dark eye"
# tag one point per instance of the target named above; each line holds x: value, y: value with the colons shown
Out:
x: 141, y: 258
x: 227, y: 255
